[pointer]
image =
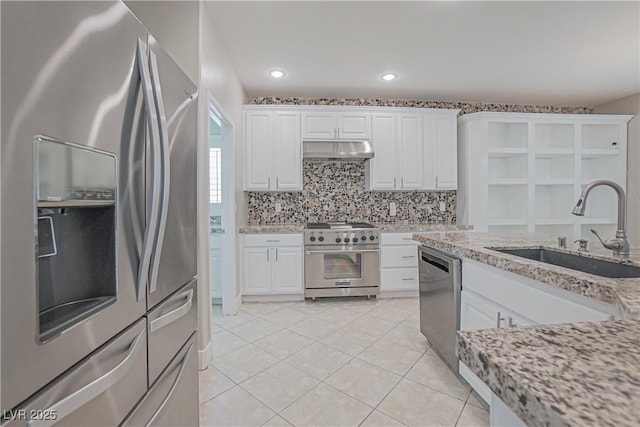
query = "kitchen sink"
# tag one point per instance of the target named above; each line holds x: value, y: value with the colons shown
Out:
x: 585, y: 264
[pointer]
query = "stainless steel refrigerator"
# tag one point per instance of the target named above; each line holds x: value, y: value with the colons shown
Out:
x: 98, y: 214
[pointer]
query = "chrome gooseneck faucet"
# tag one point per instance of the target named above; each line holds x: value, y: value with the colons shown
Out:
x: 619, y: 245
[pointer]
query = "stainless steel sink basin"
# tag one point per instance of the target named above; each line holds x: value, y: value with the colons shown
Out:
x: 589, y: 265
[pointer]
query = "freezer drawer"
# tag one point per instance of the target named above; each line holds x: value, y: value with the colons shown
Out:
x: 169, y: 325
x: 173, y: 400
x: 99, y: 391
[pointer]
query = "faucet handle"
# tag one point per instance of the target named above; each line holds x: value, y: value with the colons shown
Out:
x: 609, y: 244
x: 583, y: 244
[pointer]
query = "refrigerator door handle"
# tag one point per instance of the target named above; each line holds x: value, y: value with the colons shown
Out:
x: 166, y: 177
x: 80, y: 397
x: 173, y: 315
x: 150, y: 230
x: 172, y: 390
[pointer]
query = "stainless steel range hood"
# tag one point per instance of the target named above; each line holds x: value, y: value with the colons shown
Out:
x: 347, y: 150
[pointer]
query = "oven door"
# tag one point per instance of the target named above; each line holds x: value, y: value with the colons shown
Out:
x: 340, y: 267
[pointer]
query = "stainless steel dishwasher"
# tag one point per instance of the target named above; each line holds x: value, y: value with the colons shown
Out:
x: 440, y: 283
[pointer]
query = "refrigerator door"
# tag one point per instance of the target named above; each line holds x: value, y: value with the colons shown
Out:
x: 173, y: 400
x: 63, y: 78
x: 169, y: 326
x: 100, y: 391
x: 174, y: 259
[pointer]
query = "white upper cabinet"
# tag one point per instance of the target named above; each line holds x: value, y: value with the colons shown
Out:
x: 336, y: 125
x: 413, y: 151
x: 273, y: 151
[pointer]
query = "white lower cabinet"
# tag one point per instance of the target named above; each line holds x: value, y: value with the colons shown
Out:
x: 272, y: 264
x: 495, y: 298
x: 398, y: 263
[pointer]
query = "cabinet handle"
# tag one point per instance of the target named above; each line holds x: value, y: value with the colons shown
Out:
x: 269, y: 184
x: 267, y: 254
x: 409, y: 278
x: 277, y: 259
x: 394, y: 182
x: 407, y: 238
x: 498, y: 320
x: 409, y: 256
x: 273, y: 241
x: 436, y: 180
x: 277, y: 184
x: 402, y: 182
x: 511, y: 324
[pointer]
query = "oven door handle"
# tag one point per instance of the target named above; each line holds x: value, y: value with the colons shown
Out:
x: 339, y: 251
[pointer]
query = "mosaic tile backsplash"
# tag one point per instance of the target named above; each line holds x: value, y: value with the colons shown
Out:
x: 335, y: 191
x: 465, y: 107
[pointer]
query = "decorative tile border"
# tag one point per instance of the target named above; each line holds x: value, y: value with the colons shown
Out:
x: 465, y: 107
x: 335, y: 191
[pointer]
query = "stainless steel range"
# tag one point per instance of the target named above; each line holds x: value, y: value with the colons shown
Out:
x: 341, y: 259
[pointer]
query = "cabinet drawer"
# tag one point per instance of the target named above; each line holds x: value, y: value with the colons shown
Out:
x: 399, y: 256
x: 398, y: 279
x: 397, y: 239
x: 169, y: 326
x: 534, y: 300
x: 271, y: 240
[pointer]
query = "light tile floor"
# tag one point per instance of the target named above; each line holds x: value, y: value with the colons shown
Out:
x: 333, y: 362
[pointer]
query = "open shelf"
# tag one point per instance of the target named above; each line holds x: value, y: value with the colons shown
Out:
x: 555, y: 169
x: 507, y: 203
x: 553, y: 221
x: 596, y: 220
x: 508, y: 181
x: 600, y: 136
x: 508, y: 228
x: 507, y: 167
x: 493, y: 151
x: 554, y: 202
x: 596, y: 153
x: 554, y: 152
x: 508, y: 134
x: 555, y: 230
x: 554, y: 135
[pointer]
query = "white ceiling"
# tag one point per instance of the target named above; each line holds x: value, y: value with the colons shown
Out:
x: 545, y: 53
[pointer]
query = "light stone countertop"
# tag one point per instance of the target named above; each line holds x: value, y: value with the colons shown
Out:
x: 560, y: 375
x: 384, y: 227
x: 268, y: 228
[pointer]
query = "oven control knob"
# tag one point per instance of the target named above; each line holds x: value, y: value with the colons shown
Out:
x: 312, y: 238
x: 372, y: 237
x: 363, y: 238
x: 321, y: 239
x: 338, y: 240
x: 346, y: 240
x: 355, y: 240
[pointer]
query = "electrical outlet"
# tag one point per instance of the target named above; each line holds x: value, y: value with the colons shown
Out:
x: 392, y: 209
x: 278, y: 207
x: 443, y: 206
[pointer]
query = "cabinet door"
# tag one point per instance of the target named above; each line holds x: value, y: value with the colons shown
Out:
x: 287, y: 270
x: 354, y: 125
x: 319, y: 126
x: 256, y: 150
x: 409, y: 151
x: 287, y: 151
x: 478, y: 313
x: 382, y: 168
x: 446, y: 152
x: 256, y: 270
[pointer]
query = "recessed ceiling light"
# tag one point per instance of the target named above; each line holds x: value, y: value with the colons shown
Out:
x: 389, y: 76
x: 277, y: 74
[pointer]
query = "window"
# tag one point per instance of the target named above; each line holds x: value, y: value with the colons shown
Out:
x: 215, y: 177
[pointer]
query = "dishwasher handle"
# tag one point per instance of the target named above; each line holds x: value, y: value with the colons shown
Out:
x: 436, y: 262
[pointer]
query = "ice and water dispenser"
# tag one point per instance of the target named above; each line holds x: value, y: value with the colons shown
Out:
x: 76, y: 233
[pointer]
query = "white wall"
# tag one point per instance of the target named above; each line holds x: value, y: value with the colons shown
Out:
x: 218, y: 78
x: 175, y: 25
x: 630, y: 105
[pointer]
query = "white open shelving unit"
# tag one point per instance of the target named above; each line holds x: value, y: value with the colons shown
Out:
x: 523, y: 172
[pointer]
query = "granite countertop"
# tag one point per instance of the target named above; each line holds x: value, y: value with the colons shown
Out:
x: 269, y: 228
x: 421, y: 227
x: 560, y: 375
x: 385, y: 227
